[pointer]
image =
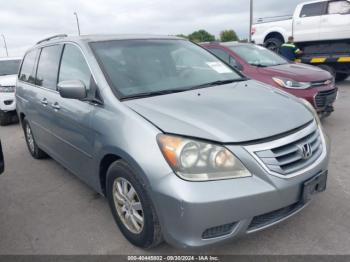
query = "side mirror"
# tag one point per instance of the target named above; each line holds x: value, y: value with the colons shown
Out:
x: 239, y: 67
x: 235, y: 64
x: 72, y: 89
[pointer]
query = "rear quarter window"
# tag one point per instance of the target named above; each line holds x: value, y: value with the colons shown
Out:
x: 48, y: 66
x: 339, y: 7
x: 27, y: 73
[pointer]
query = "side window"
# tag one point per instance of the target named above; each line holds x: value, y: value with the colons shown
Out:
x: 221, y: 54
x: 48, y: 66
x: 27, y: 73
x: 74, y: 66
x: 315, y: 9
x: 338, y: 7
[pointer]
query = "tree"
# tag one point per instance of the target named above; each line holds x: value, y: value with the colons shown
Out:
x: 182, y: 35
x: 201, y: 36
x: 228, y: 35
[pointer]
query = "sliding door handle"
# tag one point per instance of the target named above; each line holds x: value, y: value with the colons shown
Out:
x: 56, y: 106
x: 44, y: 102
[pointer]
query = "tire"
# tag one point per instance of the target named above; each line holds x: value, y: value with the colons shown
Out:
x: 5, y: 118
x: 33, y: 148
x: 273, y: 44
x: 329, y: 69
x: 146, y: 234
x: 341, y: 77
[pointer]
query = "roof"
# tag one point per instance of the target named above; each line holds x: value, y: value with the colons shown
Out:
x: 101, y: 37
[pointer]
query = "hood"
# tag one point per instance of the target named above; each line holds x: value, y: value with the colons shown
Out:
x: 298, y: 72
x: 237, y: 112
x: 8, y: 80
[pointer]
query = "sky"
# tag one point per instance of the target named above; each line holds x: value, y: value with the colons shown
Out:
x: 24, y: 22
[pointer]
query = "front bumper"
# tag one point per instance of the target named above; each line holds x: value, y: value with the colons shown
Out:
x: 7, y: 102
x: 189, y: 210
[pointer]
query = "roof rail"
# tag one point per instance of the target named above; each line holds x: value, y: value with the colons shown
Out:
x: 51, y: 37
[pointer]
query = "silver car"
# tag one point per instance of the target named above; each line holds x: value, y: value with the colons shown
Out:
x: 185, y: 148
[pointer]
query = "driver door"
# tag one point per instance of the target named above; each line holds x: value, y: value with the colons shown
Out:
x: 72, y: 124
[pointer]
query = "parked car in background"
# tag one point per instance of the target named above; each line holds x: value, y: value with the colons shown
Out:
x: 311, y: 83
x: 2, y: 162
x: 8, y: 75
x: 184, y: 147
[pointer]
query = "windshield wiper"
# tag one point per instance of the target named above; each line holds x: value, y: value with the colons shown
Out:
x: 218, y: 83
x: 154, y: 93
x: 178, y: 90
x: 258, y: 65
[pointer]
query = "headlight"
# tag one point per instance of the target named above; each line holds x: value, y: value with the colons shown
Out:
x: 288, y: 83
x: 7, y: 89
x: 200, y: 161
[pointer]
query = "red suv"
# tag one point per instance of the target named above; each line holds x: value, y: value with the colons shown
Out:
x: 311, y: 83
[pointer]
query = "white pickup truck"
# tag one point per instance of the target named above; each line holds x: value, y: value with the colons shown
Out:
x: 315, y: 21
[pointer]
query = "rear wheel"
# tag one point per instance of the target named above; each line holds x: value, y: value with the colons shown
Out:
x: 131, y: 207
x: 274, y: 44
x: 33, y: 148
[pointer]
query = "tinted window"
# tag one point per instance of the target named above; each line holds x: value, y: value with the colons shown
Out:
x: 339, y: 7
x: 136, y: 67
x: 313, y: 9
x: 221, y: 54
x: 74, y: 66
x: 48, y: 66
x: 9, y: 67
x: 27, y: 73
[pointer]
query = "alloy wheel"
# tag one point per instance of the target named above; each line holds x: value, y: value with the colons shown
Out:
x: 30, y: 138
x: 128, y: 205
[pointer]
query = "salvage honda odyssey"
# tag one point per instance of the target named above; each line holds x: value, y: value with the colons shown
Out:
x: 183, y: 146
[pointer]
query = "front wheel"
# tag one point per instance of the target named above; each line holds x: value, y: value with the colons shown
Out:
x: 131, y: 207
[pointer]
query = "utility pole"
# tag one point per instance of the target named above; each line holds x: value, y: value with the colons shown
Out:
x: 3, y: 37
x: 76, y: 16
x: 251, y: 15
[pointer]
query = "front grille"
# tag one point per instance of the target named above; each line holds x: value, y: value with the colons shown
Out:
x: 287, y: 156
x: 218, y: 231
x: 321, y: 83
x: 325, y: 98
x: 274, y: 216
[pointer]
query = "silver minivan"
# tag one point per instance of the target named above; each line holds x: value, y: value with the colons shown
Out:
x: 185, y: 148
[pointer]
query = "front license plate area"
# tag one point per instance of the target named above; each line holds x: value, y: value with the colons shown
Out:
x: 314, y: 185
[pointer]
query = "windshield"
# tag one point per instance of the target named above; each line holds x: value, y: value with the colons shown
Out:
x: 135, y: 67
x: 9, y: 67
x: 258, y: 55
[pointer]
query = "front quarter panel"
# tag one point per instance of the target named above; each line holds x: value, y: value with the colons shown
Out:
x: 122, y: 132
